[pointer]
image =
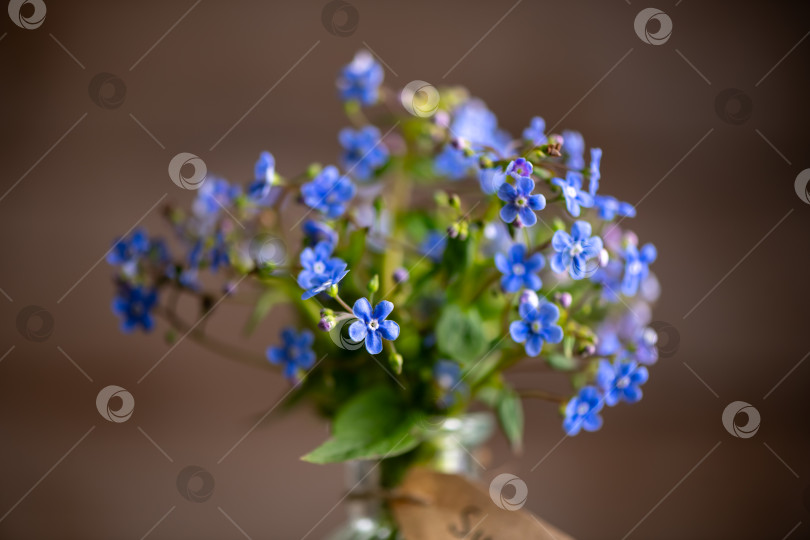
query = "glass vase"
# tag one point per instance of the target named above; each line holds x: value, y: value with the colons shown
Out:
x: 451, y: 448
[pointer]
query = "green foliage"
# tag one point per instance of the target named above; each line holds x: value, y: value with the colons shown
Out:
x: 460, y: 334
x: 374, y: 424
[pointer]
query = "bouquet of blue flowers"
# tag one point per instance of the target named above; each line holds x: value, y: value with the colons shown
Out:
x: 440, y: 253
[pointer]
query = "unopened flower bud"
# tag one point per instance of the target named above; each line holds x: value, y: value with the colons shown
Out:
x: 530, y: 297
x: 374, y: 284
x: 485, y: 162
x: 442, y: 118
x: 401, y: 275
x: 396, y: 362
x: 459, y: 143
x: 332, y: 290
x: 453, y: 230
x: 629, y: 239
x: 455, y: 201
x: 564, y: 299
x: 327, y: 323
x: 589, y: 350
x: 604, y: 258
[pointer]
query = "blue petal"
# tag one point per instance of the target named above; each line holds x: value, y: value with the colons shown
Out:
x: 502, y: 264
x: 362, y: 310
x: 592, y: 422
x: 535, y: 262
x: 548, y: 313
x: 389, y: 330
x: 509, y: 213
x: 358, y: 331
x: 517, y: 253
x: 581, y: 230
x: 527, y: 216
x: 506, y: 192
x: 383, y: 310
x: 560, y: 262
x: 532, y: 281
x: 525, y: 185
x: 648, y: 253
x: 373, y: 342
x: 592, y: 246
x: 561, y: 241
x: 533, y: 344
x: 552, y: 334
x: 572, y: 206
x: 511, y: 283
x: 537, y: 202
x: 579, y: 267
x: 519, y: 331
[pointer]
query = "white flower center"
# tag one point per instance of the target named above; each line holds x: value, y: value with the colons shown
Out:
x: 521, y: 201
x: 624, y: 382
x: 570, y: 192
x: 634, y: 267
x: 518, y: 269
x: 583, y: 409
x: 318, y: 267
x: 576, y: 249
x: 373, y: 325
x: 536, y: 327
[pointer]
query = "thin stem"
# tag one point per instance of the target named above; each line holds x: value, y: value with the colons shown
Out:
x: 540, y: 394
x: 342, y: 303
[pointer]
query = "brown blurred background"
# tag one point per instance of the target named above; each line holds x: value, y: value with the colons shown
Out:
x: 715, y: 181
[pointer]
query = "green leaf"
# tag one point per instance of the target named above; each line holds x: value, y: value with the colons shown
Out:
x: 460, y: 334
x: 561, y: 362
x: 372, y: 425
x: 264, y: 304
x: 510, y: 415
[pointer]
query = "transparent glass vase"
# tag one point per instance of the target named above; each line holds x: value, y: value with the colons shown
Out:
x: 452, y: 447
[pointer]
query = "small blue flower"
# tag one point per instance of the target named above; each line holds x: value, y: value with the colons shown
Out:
x: 453, y: 163
x: 593, y: 173
x: 520, y: 168
x: 294, y: 354
x: 636, y: 266
x: 364, y: 151
x: 518, y: 271
x: 218, y: 254
x: 315, y: 231
x: 536, y: 132
x: 572, y: 191
x: 645, y: 350
x: 610, y: 278
x: 264, y: 173
x: 491, y: 179
x: 610, y: 207
x: 134, y: 305
x: 127, y: 252
x: 361, y: 79
x: 582, y: 412
x: 520, y: 203
x: 329, y: 192
x: 214, y: 195
x: 621, y: 381
x: 536, y: 325
x: 573, y: 149
x: 433, y: 246
x: 372, y: 326
x: 476, y: 124
x: 321, y: 270
x: 447, y: 376
x: 574, y: 250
